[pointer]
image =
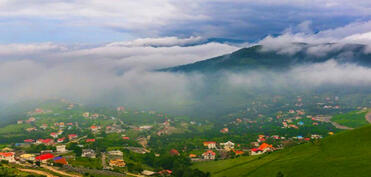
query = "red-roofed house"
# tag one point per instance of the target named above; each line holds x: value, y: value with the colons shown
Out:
x: 237, y: 152
x: 209, y: 155
x: 174, y: 152
x: 61, y: 140
x: 54, y: 135
x: 126, y: 138
x: 8, y: 156
x: 72, y: 136
x: 90, y: 140
x: 94, y: 128
x: 45, y: 157
x: 165, y: 172
x: 45, y: 141
x: 261, y: 149
x: 210, y: 144
x: 28, y: 141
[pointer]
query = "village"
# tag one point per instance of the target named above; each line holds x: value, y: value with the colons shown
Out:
x: 72, y: 139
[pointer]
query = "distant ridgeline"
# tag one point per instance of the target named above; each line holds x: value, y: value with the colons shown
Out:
x: 256, y: 57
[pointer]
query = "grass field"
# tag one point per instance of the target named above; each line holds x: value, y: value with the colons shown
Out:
x: 352, y: 119
x: 346, y: 154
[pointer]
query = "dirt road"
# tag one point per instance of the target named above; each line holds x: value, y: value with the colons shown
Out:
x: 368, y: 117
x: 328, y: 119
x: 60, y: 172
x: 39, y: 172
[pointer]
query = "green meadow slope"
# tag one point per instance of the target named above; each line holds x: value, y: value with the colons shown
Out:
x: 347, y: 154
x: 352, y: 119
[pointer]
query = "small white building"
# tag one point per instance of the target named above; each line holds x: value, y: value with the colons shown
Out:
x: 115, y: 153
x: 228, y: 146
x: 89, y: 153
x: 61, y: 148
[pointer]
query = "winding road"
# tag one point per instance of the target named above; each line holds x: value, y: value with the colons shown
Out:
x: 39, y: 172
x: 368, y: 117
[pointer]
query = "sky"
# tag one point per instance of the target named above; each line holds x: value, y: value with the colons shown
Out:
x: 107, y: 52
x: 97, y: 21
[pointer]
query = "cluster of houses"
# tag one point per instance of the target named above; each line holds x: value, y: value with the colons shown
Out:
x: 50, y: 157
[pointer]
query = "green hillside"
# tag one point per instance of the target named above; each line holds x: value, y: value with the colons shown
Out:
x: 342, y: 155
x: 352, y: 119
x: 256, y: 58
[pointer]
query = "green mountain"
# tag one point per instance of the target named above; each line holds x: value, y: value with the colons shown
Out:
x: 256, y: 58
x: 346, y: 154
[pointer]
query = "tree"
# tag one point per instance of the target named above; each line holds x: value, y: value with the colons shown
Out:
x: 280, y: 174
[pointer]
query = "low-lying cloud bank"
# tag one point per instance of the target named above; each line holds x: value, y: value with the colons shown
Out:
x: 123, y: 72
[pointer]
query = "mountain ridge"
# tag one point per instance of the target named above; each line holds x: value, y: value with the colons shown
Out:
x: 256, y: 57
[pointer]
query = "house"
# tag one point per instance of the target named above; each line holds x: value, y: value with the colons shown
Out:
x: 44, y: 157
x: 209, y: 155
x: 19, y: 121
x: 54, y: 135
x: 224, y: 130
x: 94, y: 128
x: 90, y: 140
x: 61, y: 148
x: 165, y: 172
x: 261, y: 149
x: 315, y: 136
x: 228, y: 145
x: 45, y: 141
x: 256, y: 151
x: 117, y: 163
x: 7, y: 156
x: 44, y: 126
x: 115, y: 153
x: 89, y: 153
x: 60, y: 132
x: 61, y: 140
x: 30, y: 157
x: 28, y: 140
x: 254, y: 144
x: 61, y: 124
x: 86, y: 114
x: 261, y: 140
x: 95, y: 115
x: 148, y: 173
x: 31, y: 119
x: 192, y: 155
x: 145, y: 127
x: 237, y: 152
x: 210, y: 144
x: 72, y: 136
x: 174, y: 152
x: 125, y: 138
x: 60, y: 160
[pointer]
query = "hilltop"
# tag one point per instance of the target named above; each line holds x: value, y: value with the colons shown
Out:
x: 344, y: 154
x: 256, y: 57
